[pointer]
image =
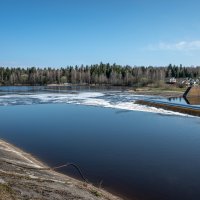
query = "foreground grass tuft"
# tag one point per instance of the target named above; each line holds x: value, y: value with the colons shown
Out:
x: 96, y: 193
x: 6, y: 192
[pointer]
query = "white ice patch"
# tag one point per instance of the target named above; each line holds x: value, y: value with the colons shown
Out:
x: 129, y: 106
x: 115, y: 100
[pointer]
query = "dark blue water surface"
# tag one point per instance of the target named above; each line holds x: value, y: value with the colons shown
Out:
x: 137, y: 154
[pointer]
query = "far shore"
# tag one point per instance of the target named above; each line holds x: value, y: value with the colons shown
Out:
x: 169, y: 91
x: 166, y: 91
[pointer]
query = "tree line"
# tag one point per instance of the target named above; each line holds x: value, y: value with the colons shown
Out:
x: 101, y: 74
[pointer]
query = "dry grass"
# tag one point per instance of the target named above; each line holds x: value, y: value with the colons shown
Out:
x: 6, y: 192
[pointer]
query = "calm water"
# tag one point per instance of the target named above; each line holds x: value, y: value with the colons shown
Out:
x: 151, y: 154
x: 193, y: 101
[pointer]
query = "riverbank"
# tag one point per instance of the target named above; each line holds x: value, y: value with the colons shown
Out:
x: 167, y: 91
x: 21, y: 178
x: 163, y: 92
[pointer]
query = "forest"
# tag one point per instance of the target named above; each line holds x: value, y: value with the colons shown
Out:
x: 98, y: 74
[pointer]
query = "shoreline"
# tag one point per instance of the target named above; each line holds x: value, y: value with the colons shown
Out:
x: 162, y: 92
x: 167, y: 94
x: 18, y: 181
x: 158, y: 92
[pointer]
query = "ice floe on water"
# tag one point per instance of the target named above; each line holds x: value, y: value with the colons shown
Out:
x: 109, y: 99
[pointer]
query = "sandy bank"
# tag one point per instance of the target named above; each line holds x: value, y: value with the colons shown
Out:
x: 17, y: 182
x: 157, y: 92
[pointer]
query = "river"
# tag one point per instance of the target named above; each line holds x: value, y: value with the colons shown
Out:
x: 131, y: 150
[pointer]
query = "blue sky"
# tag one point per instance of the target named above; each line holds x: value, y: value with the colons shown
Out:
x: 58, y: 33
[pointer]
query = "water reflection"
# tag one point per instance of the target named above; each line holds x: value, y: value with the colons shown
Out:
x: 177, y: 99
x: 185, y: 100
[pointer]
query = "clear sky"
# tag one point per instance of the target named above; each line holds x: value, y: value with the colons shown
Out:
x: 69, y: 32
